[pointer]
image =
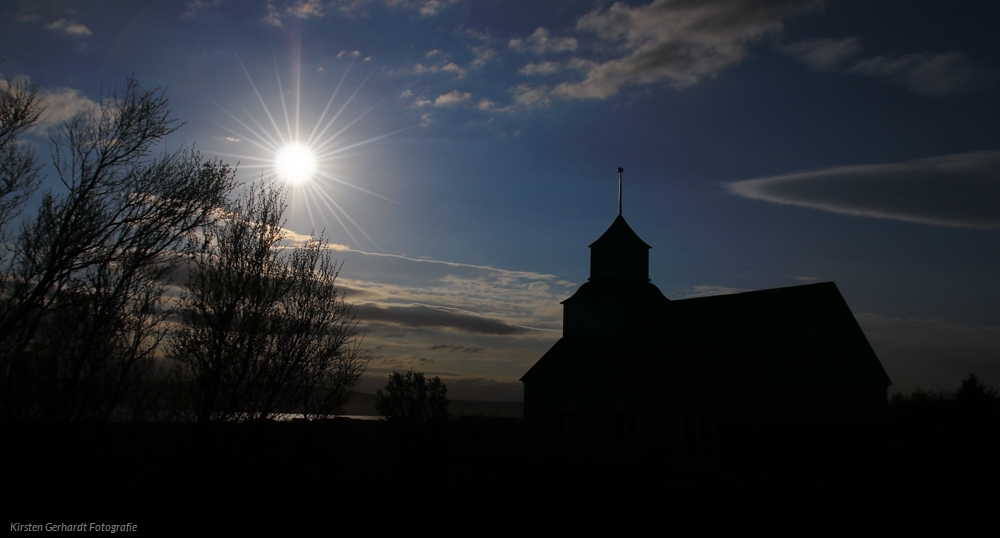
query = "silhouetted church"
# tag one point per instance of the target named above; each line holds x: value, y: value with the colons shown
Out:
x: 774, y: 374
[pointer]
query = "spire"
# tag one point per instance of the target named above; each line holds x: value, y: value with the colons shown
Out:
x: 620, y: 170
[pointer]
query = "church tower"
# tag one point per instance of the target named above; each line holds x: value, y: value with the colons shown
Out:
x: 618, y: 285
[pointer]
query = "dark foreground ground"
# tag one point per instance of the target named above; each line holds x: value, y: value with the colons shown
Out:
x: 168, y: 478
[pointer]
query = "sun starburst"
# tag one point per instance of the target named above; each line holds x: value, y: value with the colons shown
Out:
x: 310, y: 165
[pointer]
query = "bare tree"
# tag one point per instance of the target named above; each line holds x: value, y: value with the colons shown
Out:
x: 264, y: 330
x: 83, y: 291
x: 20, y: 110
x: 317, y: 342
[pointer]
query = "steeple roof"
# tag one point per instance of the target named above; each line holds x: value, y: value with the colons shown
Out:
x: 619, y: 253
x: 620, y: 234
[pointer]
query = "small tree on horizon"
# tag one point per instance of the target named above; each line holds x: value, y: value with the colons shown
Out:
x: 412, y: 399
x: 975, y: 399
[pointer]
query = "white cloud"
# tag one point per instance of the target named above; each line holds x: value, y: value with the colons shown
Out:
x: 425, y: 7
x: 350, y: 8
x: 452, y: 98
x: 304, y: 9
x: 531, y: 96
x: 540, y: 43
x: 60, y: 105
x: 70, y: 27
x: 483, y: 54
x: 540, y: 68
x: 272, y: 17
x: 953, y: 190
x: 195, y: 6
x: 452, y: 67
x: 444, y: 67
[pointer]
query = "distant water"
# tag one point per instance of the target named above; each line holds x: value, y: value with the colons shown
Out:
x: 292, y: 416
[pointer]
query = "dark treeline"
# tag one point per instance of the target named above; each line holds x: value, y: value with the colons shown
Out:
x: 971, y: 400
x: 144, y: 287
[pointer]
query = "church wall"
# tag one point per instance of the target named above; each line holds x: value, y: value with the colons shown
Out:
x: 700, y: 423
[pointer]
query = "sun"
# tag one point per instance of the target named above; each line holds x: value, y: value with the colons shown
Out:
x: 308, y: 159
x: 295, y: 163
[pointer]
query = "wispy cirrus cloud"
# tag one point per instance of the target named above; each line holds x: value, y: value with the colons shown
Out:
x: 932, y: 74
x: 824, y: 54
x: 927, y: 73
x: 961, y: 190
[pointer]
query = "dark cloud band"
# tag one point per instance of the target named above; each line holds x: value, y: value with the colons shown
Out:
x: 425, y: 316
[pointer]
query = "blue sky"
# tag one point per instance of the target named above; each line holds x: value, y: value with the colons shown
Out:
x: 470, y: 151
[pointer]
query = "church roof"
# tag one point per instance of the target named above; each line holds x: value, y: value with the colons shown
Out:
x: 741, y: 335
x: 617, y: 290
x: 619, y: 234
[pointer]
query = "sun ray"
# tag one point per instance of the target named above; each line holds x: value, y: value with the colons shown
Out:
x: 363, y: 142
x: 275, y: 143
x: 265, y: 147
x: 344, y: 182
x: 260, y: 98
x: 329, y: 199
x: 308, y: 165
x: 337, y: 115
x: 313, y: 136
x: 333, y: 211
x: 284, y: 107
